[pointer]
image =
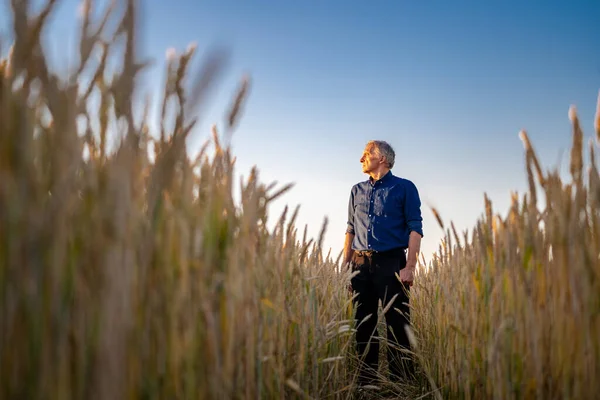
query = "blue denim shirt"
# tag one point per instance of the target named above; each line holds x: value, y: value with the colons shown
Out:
x: 381, y: 215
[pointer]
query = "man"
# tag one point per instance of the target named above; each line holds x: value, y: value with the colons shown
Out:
x: 383, y: 240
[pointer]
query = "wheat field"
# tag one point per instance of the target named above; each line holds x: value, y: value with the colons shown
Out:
x: 512, y: 310
x: 135, y: 272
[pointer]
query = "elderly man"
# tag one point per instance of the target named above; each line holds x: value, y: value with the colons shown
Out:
x: 383, y: 240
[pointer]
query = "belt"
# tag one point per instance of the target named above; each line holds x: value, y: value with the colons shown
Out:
x: 370, y: 253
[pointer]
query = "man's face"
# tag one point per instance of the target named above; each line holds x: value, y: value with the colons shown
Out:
x: 370, y: 160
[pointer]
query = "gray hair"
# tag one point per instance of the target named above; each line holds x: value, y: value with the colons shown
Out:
x: 383, y: 149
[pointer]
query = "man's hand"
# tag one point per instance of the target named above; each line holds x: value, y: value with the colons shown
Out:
x: 407, y: 275
x: 348, y: 266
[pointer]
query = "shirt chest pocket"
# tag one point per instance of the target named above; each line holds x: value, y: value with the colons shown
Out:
x: 385, y: 204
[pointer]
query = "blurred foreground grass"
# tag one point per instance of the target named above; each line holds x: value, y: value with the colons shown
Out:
x: 133, y: 273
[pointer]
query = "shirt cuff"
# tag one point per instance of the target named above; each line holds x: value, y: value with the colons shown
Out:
x: 418, y: 230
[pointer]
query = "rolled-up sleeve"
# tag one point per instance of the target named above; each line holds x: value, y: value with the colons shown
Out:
x: 350, y: 227
x: 412, y: 209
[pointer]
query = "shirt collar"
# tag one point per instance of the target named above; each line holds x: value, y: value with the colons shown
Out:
x: 383, y: 179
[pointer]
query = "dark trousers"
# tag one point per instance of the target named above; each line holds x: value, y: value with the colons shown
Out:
x: 377, y: 281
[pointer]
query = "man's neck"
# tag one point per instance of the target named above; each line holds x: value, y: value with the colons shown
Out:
x: 377, y: 175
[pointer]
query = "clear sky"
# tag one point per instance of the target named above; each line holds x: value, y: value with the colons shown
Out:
x: 448, y: 83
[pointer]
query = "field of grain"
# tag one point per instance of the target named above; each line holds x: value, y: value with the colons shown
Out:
x: 133, y: 272
x: 511, y: 310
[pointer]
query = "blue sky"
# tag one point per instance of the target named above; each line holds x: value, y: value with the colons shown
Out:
x: 448, y: 84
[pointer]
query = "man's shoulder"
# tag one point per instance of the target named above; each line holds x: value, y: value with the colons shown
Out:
x: 360, y: 184
x: 397, y: 180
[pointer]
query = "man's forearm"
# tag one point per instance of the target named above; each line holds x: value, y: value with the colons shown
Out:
x: 414, y: 248
x: 348, y: 251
